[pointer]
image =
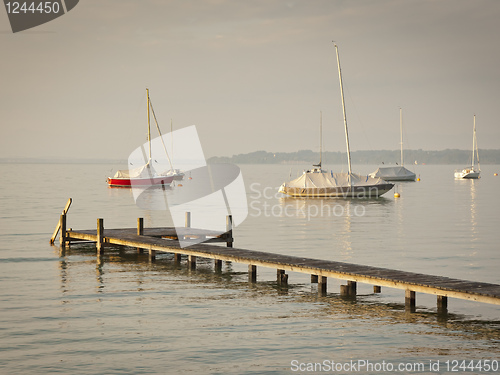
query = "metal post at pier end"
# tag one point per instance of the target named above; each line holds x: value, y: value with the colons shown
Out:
x: 140, y: 231
x: 100, y: 236
x: 410, y: 300
x: 229, y: 230
x: 377, y: 289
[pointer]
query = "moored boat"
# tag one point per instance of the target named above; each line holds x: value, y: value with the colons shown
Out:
x: 474, y: 171
x: 398, y: 173
x: 146, y: 175
x: 318, y: 183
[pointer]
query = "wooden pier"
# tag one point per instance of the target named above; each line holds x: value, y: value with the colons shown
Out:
x: 166, y: 240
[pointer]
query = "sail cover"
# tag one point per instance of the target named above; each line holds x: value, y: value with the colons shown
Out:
x: 398, y: 173
x: 146, y: 171
x: 329, y: 184
x: 330, y: 179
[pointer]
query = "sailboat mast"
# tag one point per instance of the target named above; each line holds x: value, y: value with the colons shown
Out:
x: 171, y: 139
x: 401, y: 131
x: 320, y: 138
x: 149, y: 126
x: 343, y: 110
x: 473, y: 141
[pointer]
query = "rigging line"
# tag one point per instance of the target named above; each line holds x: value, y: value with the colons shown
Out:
x: 159, y: 132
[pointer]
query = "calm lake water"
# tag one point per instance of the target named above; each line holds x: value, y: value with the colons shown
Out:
x: 67, y: 313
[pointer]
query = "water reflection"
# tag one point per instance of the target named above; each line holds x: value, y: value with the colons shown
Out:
x: 333, y: 223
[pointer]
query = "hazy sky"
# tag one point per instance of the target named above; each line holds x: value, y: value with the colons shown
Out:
x: 251, y: 75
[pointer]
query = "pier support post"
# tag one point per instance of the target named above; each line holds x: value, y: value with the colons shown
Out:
x: 62, y: 237
x: 229, y: 230
x: 187, y: 224
x: 218, y: 265
x: 282, y: 277
x: 152, y: 255
x: 442, y: 304
x: 348, y: 290
x: 322, y: 285
x: 377, y: 289
x: 352, y: 288
x: 314, y: 279
x: 410, y: 300
x: 192, y: 262
x: 140, y: 231
x: 100, y: 236
x: 252, y: 273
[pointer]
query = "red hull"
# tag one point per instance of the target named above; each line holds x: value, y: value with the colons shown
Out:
x: 139, y: 182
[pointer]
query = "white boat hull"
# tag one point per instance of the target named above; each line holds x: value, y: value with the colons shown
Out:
x: 467, y: 174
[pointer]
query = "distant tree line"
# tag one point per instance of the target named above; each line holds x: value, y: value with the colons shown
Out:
x: 448, y: 156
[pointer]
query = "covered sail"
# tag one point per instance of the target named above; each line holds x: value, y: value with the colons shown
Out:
x: 145, y: 171
x: 398, y: 173
x: 329, y: 184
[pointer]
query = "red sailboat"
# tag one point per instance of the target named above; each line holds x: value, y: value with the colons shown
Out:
x: 146, y: 175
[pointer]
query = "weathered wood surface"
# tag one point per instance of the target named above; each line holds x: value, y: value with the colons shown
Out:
x: 416, y: 282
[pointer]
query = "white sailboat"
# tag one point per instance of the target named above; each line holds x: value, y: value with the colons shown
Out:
x: 318, y: 183
x: 399, y: 173
x: 473, y: 171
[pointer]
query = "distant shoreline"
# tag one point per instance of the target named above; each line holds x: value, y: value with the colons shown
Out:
x: 389, y: 157
x: 363, y: 157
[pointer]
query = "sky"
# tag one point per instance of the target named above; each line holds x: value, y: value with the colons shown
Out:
x: 251, y: 75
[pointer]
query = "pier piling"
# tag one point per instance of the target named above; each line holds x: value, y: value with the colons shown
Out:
x: 140, y: 232
x: 252, y: 273
x: 100, y: 236
x: 192, y: 262
x: 410, y: 300
x: 322, y: 285
x: 229, y: 230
